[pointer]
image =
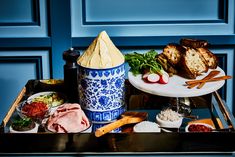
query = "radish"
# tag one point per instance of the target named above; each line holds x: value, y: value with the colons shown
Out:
x: 145, y: 75
x: 164, y: 78
x: 153, y: 78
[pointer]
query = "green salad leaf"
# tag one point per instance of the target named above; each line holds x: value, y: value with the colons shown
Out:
x: 141, y: 62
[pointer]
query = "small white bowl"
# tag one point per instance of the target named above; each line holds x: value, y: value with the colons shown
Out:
x: 51, y: 98
x: 169, y: 124
x: 202, y: 124
x: 34, y: 130
x: 146, y: 126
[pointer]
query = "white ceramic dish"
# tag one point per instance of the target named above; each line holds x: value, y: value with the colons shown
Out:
x: 34, y: 130
x: 146, y: 126
x: 176, y: 86
x: 169, y: 124
x: 51, y: 81
x: 204, y: 124
x: 47, y: 98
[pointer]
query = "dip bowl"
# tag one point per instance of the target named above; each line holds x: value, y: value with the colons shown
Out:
x: 34, y: 110
x: 169, y: 118
x: 199, y: 127
x: 25, y: 125
x: 169, y: 124
x: 146, y: 126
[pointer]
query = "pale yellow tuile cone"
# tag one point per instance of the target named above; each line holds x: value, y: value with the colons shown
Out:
x: 101, y: 54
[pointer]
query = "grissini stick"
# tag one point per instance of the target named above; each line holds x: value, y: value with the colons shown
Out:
x: 209, y: 76
x: 127, y: 118
x: 210, y: 80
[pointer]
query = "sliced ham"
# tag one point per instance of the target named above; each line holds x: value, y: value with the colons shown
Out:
x: 68, y: 118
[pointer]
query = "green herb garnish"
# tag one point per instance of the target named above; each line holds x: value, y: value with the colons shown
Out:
x: 140, y: 62
x: 22, y: 122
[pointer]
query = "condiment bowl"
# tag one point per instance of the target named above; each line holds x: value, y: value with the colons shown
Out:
x: 146, y: 126
x: 51, y: 84
x: 199, y: 127
x: 51, y: 98
x: 23, y: 125
x: 35, y: 111
x: 169, y: 124
x: 34, y: 130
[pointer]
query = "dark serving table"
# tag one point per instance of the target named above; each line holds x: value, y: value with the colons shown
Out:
x: 127, y: 143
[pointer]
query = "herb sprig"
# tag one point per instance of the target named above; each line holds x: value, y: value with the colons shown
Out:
x: 141, y: 62
x: 22, y: 122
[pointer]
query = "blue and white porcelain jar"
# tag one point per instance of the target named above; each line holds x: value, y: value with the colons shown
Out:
x: 102, y: 92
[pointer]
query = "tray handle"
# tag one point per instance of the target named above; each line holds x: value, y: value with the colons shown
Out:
x: 225, y: 110
x: 13, y: 106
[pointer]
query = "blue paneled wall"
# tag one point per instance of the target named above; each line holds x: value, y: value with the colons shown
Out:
x: 34, y: 35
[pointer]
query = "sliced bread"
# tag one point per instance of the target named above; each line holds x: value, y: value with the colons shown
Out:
x: 210, y: 58
x: 193, y: 43
x: 173, y: 53
x: 192, y: 64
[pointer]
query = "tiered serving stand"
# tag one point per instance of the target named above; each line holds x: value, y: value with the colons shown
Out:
x: 176, y: 86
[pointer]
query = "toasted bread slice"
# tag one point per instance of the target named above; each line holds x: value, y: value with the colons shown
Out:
x: 193, y: 43
x: 173, y: 53
x: 161, y: 58
x: 210, y: 58
x: 192, y: 64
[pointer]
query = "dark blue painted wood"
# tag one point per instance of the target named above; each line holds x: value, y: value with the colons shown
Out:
x: 150, y: 11
x: 130, y: 41
x: 22, y: 12
x: 25, y: 42
x: 152, y: 18
x: 16, y: 68
x: 25, y: 18
x: 60, y: 34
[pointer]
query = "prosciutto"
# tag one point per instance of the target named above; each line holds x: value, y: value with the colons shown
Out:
x: 68, y: 118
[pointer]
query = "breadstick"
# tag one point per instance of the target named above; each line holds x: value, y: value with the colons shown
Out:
x: 209, y: 76
x: 210, y: 80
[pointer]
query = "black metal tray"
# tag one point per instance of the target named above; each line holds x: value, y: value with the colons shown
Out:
x: 179, y: 142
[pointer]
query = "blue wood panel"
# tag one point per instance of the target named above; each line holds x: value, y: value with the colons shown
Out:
x: 20, y: 12
x: 16, y: 68
x: 28, y: 20
x: 25, y: 42
x: 150, y: 11
x: 88, y: 19
x: 61, y: 36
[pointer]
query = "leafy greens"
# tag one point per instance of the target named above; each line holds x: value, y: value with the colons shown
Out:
x: 141, y: 62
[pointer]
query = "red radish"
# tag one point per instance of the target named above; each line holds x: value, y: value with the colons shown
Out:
x: 153, y: 78
x: 164, y: 78
x: 145, y: 75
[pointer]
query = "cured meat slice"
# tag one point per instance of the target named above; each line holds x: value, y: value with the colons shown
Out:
x: 68, y: 118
